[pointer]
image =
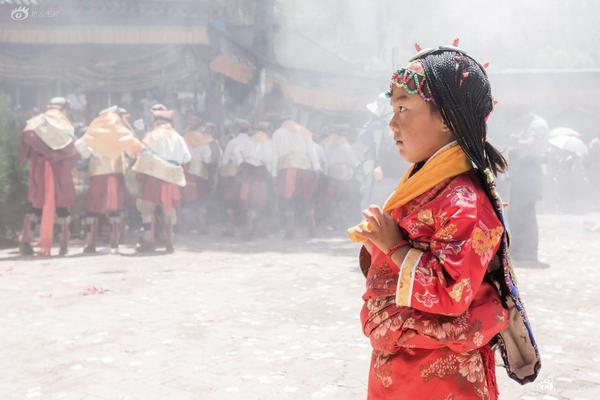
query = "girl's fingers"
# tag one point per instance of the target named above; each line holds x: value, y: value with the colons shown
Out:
x: 370, y: 214
x: 365, y: 234
x: 376, y: 211
x: 388, y: 218
x: 371, y: 218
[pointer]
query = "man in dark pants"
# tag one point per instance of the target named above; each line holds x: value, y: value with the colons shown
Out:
x: 526, y: 189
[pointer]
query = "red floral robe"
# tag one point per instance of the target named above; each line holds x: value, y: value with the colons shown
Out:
x: 430, y: 320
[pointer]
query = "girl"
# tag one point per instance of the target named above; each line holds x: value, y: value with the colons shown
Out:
x: 441, y: 295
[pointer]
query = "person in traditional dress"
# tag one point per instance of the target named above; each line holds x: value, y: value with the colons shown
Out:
x: 526, y: 190
x: 257, y: 169
x: 343, y: 191
x: 229, y: 174
x: 441, y: 295
x: 200, y: 172
x: 161, y: 175
x: 47, y: 143
x: 298, y: 170
x: 107, y: 142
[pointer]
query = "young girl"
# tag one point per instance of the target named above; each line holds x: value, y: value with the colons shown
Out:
x: 441, y: 294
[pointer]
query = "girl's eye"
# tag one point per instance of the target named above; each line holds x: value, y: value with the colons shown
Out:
x: 401, y: 109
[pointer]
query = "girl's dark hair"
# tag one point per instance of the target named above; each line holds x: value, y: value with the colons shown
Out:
x: 461, y: 91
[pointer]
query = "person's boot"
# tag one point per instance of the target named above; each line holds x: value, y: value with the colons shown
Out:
x: 91, y: 236
x: 188, y: 223
x: 289, y: 225
x: 64, y: 235
x: 231, y: 223
x: 25, y: 247
x: 203, y: 223
x: 169, y: 234
x: 146, y: 242
x: 115, y: 234
x: 251, y: 220
x: 312, y: 224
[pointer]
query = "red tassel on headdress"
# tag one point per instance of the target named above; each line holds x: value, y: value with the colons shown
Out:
x: 465, y: 75
x: 455, y: 42
x: 486, y: 65
x: 418, y: 47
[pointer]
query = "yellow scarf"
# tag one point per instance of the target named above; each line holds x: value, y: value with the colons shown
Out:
x: 449, y: 162
x: 109, y: 137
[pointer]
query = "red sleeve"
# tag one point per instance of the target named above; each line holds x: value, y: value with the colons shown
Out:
x: 466, y: 235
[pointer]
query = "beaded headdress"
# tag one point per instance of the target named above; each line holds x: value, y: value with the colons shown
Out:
x: 412, y: 79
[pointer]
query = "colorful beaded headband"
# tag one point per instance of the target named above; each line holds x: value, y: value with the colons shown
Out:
x: 412, y: 79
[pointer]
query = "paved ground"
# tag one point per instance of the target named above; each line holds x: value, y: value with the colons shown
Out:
x: 254, y: 320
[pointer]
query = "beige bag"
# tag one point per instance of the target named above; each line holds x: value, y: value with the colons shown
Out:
x: 150, y: 164
x: 53, y: 127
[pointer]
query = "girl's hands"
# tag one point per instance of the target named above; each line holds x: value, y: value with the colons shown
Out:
x: 385, y: 232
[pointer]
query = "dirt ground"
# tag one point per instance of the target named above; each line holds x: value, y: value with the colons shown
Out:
x: 261, y: 319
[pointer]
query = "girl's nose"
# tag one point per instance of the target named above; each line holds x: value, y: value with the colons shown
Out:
x: 393, y: 124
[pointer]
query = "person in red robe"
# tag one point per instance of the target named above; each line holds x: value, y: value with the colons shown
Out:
x: 200, y: 173
x: 161, y: 176
x: 47, y: 143
x: 441, y: 295
x: 230, y: 176
x: 107, y: 140
x: 342, y: 186
x: 299, y: 167
x: 256, y: 178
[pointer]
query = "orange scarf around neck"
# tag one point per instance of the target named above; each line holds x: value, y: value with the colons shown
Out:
x: 449, y: 162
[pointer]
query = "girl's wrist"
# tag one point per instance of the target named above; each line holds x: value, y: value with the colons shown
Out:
x: 394, y: 248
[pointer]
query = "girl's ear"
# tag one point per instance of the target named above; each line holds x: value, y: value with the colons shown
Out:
x: 444, y: 128
x: 447, y: 131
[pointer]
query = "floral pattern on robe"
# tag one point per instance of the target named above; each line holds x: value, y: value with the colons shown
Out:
x: 430, y: 320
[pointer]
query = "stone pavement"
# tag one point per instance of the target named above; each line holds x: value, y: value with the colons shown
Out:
x: 225, y: 319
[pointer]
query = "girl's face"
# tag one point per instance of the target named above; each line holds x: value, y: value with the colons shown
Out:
x: 418, y: 128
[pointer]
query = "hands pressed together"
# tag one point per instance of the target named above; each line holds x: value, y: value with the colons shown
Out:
x: 385, y: 232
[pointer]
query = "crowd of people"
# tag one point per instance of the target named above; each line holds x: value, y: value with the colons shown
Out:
x: 110, y: 179
x: 174, y: 170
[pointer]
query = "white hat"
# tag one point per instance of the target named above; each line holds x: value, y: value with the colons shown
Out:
x: 58, y: 101
x: 158, y: 107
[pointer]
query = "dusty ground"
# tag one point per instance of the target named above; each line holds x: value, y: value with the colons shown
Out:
x: 225, y: 319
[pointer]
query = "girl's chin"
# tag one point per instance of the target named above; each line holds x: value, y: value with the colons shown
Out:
x: 402, y: 152
x: 406, y: 156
